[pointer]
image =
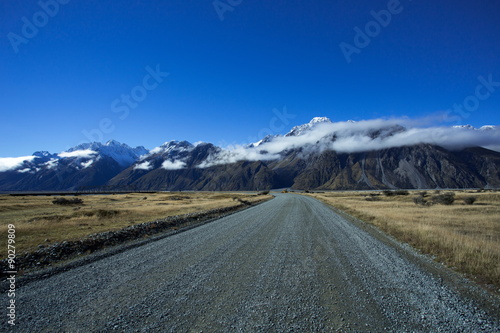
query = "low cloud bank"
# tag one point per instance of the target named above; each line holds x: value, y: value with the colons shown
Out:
x: 12, y: 163
x: 87, y: 153
x: 368, y: 135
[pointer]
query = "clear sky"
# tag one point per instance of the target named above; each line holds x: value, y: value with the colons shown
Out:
x: 71, y: 71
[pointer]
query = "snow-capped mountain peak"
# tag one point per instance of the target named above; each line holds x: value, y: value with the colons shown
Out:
x: 122, y: 153
x: 317, y: 120
x: 470, y: 127
x: 267, y: 138
x: 114, y: 143
x: 43, y: 154
x: 171, y: 147
x: 299, y: 130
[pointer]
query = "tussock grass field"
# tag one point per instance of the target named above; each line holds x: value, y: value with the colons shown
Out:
x: 38, y: 221
x: 463, y: 236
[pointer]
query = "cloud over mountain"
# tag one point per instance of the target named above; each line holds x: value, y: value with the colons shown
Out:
x: 11, y: 163
x: 353, y: 137
x: 378, y: 153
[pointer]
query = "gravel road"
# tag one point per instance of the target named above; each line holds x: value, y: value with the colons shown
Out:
x: 288, y: 265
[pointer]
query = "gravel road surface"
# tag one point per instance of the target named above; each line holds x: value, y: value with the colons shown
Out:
x: 288, y: 265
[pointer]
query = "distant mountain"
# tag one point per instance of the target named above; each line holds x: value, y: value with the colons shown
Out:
x: 123, y: 154
x: 482, y: 128
x: 86, y: 165
x: 410, y: 167
x: 317, y: 155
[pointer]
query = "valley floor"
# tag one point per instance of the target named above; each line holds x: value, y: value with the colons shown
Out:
x: 38, y: 221
x: 289, y: 264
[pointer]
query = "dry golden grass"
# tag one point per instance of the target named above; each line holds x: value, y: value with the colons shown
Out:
x: 464, y: 237
x: 38, y: 221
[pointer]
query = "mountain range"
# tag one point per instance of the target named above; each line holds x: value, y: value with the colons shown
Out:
x: 377, y: 154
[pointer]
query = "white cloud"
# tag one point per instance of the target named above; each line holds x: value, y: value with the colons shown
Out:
x: 173, y: 165
x: 367, y: 135
x: 155, y: 150
x: 237, y: 153
x: 24, y: 170
x: 12, y: 163
x: 143, y: 166
x: 87, y: 164
x: 51, y: 164
x: 87, y: 153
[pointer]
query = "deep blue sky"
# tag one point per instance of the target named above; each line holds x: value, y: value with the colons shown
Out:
x: 227, y: 76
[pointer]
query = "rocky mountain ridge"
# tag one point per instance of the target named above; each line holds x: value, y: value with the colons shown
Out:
x: 316, y: 155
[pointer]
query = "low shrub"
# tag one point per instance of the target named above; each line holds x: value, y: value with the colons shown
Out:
x: 444, y: 199
x: 396, y: 192
x: 263, y: 193
x: 177, y: 198
x: 420, y: 201
x: 104, y: 213
x: 469, y: 200
x: 64, y: 201
x: 402, y: 192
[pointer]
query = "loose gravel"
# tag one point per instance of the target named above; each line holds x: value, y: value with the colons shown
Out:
x: 288, y: 265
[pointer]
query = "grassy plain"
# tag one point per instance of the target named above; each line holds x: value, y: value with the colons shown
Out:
x: 464, y: 237
x: 38, y: 221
